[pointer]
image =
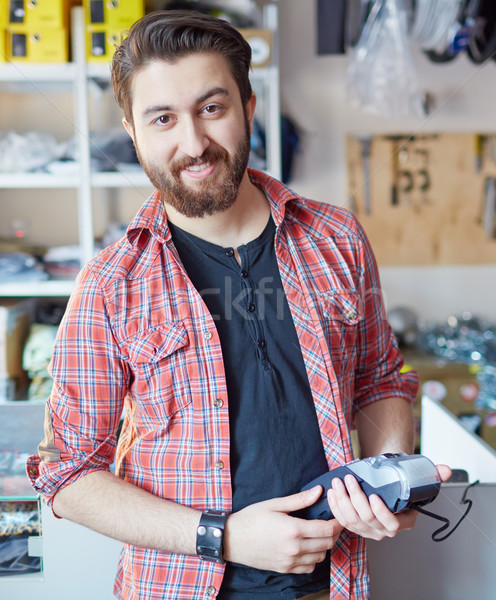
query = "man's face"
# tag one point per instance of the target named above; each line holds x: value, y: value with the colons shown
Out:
x: 191, y: 132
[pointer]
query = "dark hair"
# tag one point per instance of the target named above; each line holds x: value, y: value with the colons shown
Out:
x: 169, y: 35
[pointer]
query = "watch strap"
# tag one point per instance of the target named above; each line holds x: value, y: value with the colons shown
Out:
x: 210, y: 535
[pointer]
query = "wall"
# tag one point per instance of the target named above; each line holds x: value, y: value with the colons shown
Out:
x: 313, y: 94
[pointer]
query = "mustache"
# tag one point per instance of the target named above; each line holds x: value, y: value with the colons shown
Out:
x: 210, y: 155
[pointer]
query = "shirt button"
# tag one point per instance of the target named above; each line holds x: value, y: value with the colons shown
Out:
x: 33, y: 471
x: 218, y: 403
x: 251, y: 308
x: 219, y: 464
x: 229, y: 252
x: 244, y: 274
x: 207, y: 335
x: 352, y: 315
x: 261, y: 343
x: 211, y: 590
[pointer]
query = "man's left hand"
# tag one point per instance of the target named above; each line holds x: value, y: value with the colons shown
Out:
x: 370, y: 517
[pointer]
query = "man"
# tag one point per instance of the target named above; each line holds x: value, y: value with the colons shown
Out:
x: 240, y: 329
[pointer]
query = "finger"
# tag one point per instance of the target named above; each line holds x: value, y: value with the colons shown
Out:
x: 315, y: 546
x: 359, y: 499
x: 316, y: 529
x: 393, y: 523
x: 296, y: 501
x: 303, y: 569
x: 313, y: 558
x: 388, y: 521
x: 306, y: 561
x: 340, y: 503
x: 444, y: 472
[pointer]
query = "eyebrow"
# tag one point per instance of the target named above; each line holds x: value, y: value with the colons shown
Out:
x: 169, y: 107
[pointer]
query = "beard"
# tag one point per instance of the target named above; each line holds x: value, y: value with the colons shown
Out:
x: 207, y: 198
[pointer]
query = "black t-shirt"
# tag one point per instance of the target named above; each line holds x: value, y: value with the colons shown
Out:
x: 276, y: 446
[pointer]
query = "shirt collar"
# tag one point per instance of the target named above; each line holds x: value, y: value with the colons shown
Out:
x: 153, y: 217
x: 277, y: 194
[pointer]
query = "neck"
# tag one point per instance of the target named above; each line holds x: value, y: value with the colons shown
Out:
x: 241, y: 223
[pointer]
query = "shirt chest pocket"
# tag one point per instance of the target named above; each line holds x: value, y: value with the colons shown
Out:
x: 157, y: 359
x: 341, y: 314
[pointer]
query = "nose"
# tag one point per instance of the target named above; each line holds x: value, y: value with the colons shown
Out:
x: 193, y: 140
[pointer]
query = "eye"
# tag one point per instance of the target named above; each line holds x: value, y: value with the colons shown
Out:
x: 164, y: 120
x: 211, y: 109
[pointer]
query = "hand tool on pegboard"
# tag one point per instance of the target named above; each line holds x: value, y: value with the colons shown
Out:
x: 366, y: 143
x: 489, y: 208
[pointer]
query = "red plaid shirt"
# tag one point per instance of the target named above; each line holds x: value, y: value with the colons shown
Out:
x: 137, y: 338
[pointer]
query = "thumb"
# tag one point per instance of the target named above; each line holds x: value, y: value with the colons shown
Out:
x: 444, y: 472
x: 296, y: 501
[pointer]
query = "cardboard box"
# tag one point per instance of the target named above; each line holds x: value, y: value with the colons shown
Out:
x: 38, y: 46
x: 112, y: 15
x: 35, y: 14
x: 100, y: 44
x: 261, y: 41
x: 15, y: 321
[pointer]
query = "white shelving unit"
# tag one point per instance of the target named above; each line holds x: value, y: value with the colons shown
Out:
x: 82, y: 80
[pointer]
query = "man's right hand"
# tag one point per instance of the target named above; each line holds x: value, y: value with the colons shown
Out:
x: 265, y: 536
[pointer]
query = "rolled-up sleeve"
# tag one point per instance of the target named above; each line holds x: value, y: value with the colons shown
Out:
x: 89, y: 386
x: 379, y: 372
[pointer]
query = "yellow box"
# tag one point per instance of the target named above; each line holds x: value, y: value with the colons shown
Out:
x: 100, y: 44
x: 112, y: 14
x: 260, y: 41
x: 38, y: 46
x: 35, y: 14
x: 3, y: 49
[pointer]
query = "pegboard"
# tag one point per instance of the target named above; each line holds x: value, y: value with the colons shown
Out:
x: 427, y: 201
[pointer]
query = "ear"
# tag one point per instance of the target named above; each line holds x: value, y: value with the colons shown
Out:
x: 129, y: 128
x: 250, y: 110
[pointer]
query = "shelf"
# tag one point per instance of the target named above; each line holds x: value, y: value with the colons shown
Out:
x: 29, y: 577
x: 83, y: 80
x: 22, y: 403
x: 101, y: 72
x: 37, y: 73
x: 49, y: 288
x: 120, y: 179
x: 38, y: 180
x: 66, y: 72
x: 110, y: 179
x: 20, y: 498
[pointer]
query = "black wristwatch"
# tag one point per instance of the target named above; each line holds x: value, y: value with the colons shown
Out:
x: 210, y: 536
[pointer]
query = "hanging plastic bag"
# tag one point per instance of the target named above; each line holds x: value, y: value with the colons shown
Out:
x: 381, y: 76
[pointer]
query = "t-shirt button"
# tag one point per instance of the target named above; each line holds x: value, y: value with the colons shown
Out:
x: 251, y: 307
x: 244, y: 274
x: 229, y: 252
x: 261, y: 343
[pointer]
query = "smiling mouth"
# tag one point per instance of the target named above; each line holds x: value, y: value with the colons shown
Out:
x: 200, y: 171
x: 196, y: 168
